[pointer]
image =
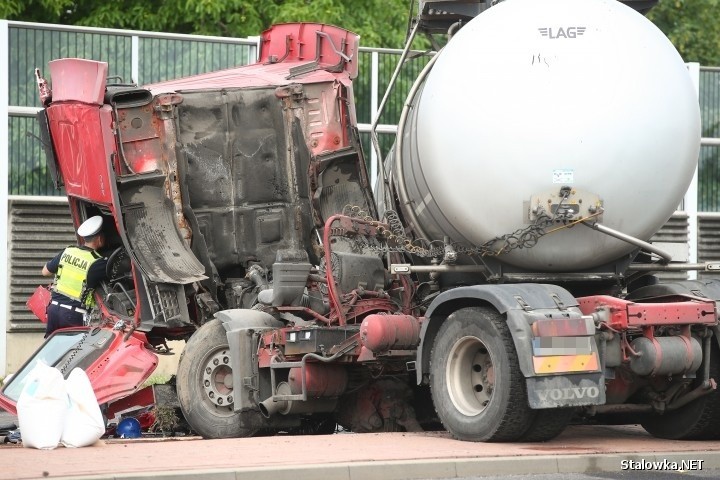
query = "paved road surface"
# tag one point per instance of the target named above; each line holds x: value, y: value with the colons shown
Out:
x: 652, y: 475
x: 581, y: 449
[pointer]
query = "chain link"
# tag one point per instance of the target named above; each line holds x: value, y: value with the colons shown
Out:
x: 396, y: 240
x: 76, y: 349
x: 93, y: 327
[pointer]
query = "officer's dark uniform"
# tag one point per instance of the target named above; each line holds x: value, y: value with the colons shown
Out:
x: 77, y: 270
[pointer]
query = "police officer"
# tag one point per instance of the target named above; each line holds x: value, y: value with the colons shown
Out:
x: 77, y: 270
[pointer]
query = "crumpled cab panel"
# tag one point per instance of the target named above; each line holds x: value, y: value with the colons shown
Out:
x: 209, y: 187
x: 245, y: 171
x: 209, y: 179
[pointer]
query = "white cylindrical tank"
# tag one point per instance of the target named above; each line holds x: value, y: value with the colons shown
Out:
x: 530, y: 97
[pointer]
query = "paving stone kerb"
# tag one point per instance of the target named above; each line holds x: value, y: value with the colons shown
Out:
x: 387, y: 456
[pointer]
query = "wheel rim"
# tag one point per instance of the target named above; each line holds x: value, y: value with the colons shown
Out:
x: 470, y: 376
x: 217, y: 381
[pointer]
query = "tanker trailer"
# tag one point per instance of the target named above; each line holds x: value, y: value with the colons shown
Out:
x: 491, y: 285
x: 545, y: 144
x: 541, y: 117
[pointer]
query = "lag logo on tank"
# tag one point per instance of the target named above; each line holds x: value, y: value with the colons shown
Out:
x: 567, y: 32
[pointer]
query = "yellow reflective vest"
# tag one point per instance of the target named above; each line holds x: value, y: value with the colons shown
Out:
x: 71, y: 277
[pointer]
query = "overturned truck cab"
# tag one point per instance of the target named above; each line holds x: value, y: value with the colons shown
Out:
x: 240, y: 218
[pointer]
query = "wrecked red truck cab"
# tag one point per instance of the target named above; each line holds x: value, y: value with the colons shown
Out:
x: 202, y: 182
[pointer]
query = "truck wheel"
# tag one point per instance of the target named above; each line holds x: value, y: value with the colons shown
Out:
x: 205, y: 388
x: 547, y: 424
x: 477, y: 388
x: 698, y: 420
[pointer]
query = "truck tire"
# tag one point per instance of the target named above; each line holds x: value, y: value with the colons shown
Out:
x: 477, y: 388
x: 698, y: 420
x: 204, y: 386
x: 547, y: 424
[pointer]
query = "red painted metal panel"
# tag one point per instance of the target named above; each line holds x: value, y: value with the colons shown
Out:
x: 140, y: 132
x: 325, y: 116
x: 125, y: 365
x: 305, y: 42
x: 145, y: 397
x: 671, y: 313
x: 75, y: 79
x: 338, y: 48
x: 8, y: 405
x: 624, y: 314
x: 248, y: 76
x: 76, y: 129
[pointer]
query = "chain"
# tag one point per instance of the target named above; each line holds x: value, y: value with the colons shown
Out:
x: 75, y: 351
x: 396, y: 239
x: 88, y: 322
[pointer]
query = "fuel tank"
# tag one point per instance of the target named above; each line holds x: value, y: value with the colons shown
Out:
x: 573, y: 111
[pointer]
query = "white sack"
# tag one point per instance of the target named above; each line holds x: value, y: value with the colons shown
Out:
x: 42, y: 408
x: 84, y: 424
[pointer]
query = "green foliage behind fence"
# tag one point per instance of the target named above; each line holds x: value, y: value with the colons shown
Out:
x: 32, y: 48
x: 161, y: 58
x: 158, y: 59
x: 189, y: 57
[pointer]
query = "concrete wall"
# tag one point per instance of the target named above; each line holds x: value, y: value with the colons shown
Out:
x: 20, y: 345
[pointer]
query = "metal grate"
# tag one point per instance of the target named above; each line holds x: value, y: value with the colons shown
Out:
x: 709, y: 241
x: 39, y: 229
x: 673, y: 237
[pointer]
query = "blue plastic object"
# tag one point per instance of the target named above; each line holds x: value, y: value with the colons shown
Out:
x: 128, y: 428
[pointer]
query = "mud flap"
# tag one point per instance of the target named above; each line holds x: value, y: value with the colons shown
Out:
x: 566, y: 390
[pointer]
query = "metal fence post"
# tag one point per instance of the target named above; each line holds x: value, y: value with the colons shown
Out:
x: 135, y: 60
x: 4, y: 180
x: 257, y: 47
x: 690, y: 201
x: 374, y: 92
